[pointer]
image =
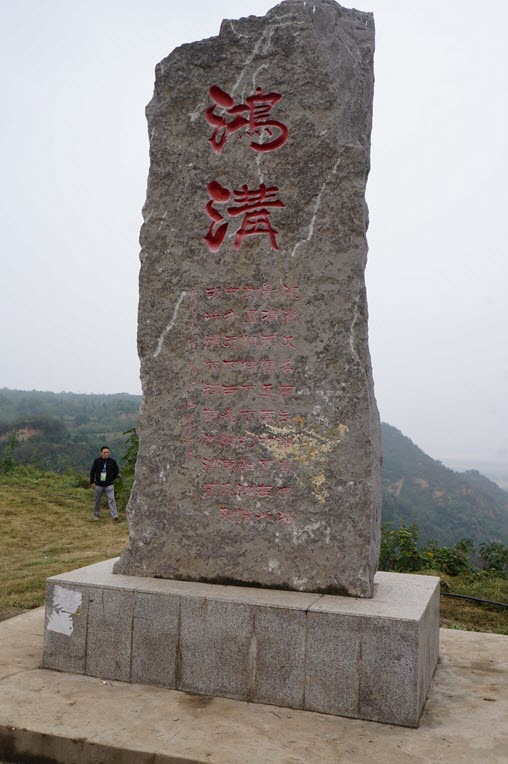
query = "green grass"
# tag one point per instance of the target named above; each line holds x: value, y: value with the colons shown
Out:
x: 46, y: 528
x: 461, y: 614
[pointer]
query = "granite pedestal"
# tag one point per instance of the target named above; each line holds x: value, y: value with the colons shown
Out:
x: 362, y: 658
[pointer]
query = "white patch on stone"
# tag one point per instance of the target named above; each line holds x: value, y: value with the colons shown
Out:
x: 66, y: 602
x: 169, y: 326
x: 302, y: 535
x: 310, y: 231
x: 273, y: 565
x: 352, y: 338
x: 235, y: 32
x: 194, y: 115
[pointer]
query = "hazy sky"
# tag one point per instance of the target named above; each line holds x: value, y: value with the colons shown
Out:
x: 75, y: 77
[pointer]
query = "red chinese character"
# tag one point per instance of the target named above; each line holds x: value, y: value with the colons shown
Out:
x: 251, y: 316
x: 250, y: 340
x: 227, y: 513
x: 227, y: 440
x: 213, y: 316
x: 248, y: 290
x: 266, y: 464
x: 209, y: 490
x: 285, y: 518
x: 286, y: 316
x: 244, y: 514
x: 229, y: 415
x: 229, y: 316
x: 266, y: 366
x: 286, y: 342
x: 253, y: 115
x: 231, y: 290
x: 226, y: 488
x: 228, y: 341
x: 229, y: 389
x: 208, y: 464
x: 265, y: 516
x: 210, y: 414
x: 211, y: 341
x: 267, y: 416
x: 291, y: 292
x: 264, y: 491
x: 242, y: 465
x: 268, y: 290
x: 227, y: 464
x: 249, y: 414
x: 212, y: 365
x: 231, y: 364
x: 208, y: 440
x: 251, y: 366
x: 287, y: 390
x: 287, y: 367
x: 246, y: 441
x: 253, y: 204
x: 285, y: 490
x: 210, y: 390
x: 269, y: 315
x: 244, y: 490
x: 284, y: 416
x: 268, y: 392
x: 213, y: 293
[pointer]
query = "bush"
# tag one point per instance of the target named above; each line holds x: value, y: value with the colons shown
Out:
x: 401, y: 553
x: 399, y: 549
x: 494, y: 556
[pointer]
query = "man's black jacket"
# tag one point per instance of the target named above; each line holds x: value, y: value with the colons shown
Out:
x: 98, y: 467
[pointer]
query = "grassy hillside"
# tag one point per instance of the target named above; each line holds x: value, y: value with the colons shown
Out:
x: 61, y: 431
x: 446, y: 505
x: 46, y: 528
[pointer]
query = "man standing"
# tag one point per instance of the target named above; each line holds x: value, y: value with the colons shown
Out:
x: 102, y: 476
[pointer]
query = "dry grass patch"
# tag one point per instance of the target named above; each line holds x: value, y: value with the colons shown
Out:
x: 46, y: 528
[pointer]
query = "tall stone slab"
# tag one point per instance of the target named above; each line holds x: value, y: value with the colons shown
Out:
x: 259, y: 458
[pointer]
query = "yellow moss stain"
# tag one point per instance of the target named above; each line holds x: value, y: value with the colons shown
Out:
x: 308, y: 446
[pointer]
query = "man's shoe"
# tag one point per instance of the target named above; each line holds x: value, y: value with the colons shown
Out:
x: 95, y: 518
x: 116, y: 519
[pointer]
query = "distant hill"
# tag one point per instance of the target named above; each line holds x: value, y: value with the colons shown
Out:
x: 59, y: 431
x: 446, y: 505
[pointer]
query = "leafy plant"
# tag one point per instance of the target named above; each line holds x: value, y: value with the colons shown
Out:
x: 494, y: 556
x: 399, y: 549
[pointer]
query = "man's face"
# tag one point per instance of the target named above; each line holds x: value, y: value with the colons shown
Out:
x: 105, y: 453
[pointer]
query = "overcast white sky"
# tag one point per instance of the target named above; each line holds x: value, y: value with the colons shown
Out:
x: 75, y: 76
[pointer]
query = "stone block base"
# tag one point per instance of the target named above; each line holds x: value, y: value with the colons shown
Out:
x: 366, y: 659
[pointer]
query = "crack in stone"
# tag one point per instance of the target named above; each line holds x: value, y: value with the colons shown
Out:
x: 169, y: 326
x: 310, y: 231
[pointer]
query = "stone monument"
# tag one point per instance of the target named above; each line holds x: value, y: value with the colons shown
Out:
x: 259, y: 460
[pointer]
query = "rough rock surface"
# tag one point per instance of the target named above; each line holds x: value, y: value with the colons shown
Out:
x: 259, y: 457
